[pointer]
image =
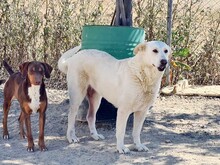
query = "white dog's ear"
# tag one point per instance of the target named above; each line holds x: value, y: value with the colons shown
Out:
x: 140, y: 48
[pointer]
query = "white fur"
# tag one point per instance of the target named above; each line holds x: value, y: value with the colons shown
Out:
x: 62, y: 61
x: 34, y: 94
x: 131, y: 85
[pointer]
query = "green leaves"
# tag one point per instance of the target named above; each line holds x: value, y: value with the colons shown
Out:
x: 183, y: 52
x: 179, y: 54
x: 181, y: 65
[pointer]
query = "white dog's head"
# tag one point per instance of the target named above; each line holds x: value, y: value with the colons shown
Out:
x: 153, y: 53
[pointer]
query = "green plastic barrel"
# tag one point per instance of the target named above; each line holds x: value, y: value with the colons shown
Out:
x: 119, y: 41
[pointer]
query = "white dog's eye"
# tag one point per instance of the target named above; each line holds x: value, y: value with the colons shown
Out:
x: 165, y: 51
x: 155, y: 51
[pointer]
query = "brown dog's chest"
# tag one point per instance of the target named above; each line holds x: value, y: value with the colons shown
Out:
x: 32, y: 98
x: 34, y: 94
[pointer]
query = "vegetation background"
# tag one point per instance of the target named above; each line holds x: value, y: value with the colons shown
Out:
x: 43, y: 30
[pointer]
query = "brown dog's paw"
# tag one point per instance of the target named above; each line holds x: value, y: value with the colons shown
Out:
x: 6, y: 137
x: 30, y: 149
x: 42, y: 147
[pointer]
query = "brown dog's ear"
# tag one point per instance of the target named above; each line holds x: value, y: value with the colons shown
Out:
x: 24, y: 68
x: 140, y: 48
x: 48, y: 69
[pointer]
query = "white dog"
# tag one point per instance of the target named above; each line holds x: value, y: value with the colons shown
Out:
x: 131, y: 85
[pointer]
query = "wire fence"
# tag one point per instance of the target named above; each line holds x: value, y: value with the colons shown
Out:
x: 43, y: 30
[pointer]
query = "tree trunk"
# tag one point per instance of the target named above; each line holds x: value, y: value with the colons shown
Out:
x: 123, y: 13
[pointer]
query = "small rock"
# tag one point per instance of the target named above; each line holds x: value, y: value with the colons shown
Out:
x: 167, y: 141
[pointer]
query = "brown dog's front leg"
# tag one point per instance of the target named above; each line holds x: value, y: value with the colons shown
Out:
x: 30, y: 147
x: 42, y: 117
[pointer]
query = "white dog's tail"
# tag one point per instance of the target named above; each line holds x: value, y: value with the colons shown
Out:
x: 62, y: 62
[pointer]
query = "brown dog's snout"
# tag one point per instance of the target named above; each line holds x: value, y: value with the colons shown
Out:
x: 37, y: 82
x: 38, y: 79
x: 35, y: 79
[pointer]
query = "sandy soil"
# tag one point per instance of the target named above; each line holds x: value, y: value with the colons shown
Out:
x: 179, y: 130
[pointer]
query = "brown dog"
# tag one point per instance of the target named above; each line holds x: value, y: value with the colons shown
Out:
x: 28, y: 87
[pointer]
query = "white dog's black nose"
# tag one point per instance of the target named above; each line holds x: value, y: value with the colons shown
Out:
x: 163, y: 62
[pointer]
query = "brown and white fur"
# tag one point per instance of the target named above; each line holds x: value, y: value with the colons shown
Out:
x: 27, y: 86
x: 131, y: 85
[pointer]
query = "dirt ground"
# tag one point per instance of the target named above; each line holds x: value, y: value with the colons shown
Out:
x: 179, y: 130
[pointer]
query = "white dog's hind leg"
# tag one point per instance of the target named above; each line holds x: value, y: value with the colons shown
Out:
x: 94, y: 102
x: 139, y: 118
x: 121, y: 123
x: 76, y: 98
x: 71, y: 135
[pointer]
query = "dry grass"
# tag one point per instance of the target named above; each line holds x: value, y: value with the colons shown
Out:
x: 43, y: 30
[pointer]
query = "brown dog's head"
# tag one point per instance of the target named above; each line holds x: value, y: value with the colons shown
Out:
x: 35, y: 71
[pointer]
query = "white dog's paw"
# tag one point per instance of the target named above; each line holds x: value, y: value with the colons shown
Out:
x: 97, y: 136
x: 123, y: 150
x: 140, y: 147
x: 75, y: 140
x: 72, y: 139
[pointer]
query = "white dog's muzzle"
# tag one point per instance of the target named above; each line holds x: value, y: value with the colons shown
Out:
x: 163, y: 64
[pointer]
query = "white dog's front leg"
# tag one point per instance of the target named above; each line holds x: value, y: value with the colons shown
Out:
x: 139, y: 118
x: 121, y: 123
